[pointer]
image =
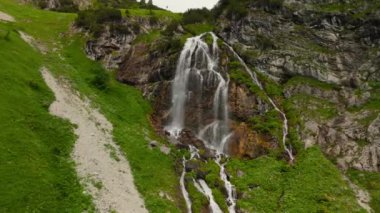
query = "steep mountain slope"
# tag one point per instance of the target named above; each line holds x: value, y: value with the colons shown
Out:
x: 36, y: 172
x: 315, y: 61
x: 321, y: 70
x: 123, y: 106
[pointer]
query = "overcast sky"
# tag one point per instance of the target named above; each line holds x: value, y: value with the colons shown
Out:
x: 183, y: 5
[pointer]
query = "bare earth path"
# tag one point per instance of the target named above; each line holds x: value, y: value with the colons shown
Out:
x: 6, y: 17
x: 104, y: 171
x: 362, y: 196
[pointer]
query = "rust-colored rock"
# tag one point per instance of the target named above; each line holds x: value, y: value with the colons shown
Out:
x: 243, y: 104
x: 249, y: 144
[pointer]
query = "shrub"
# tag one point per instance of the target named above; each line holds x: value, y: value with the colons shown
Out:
x: 270, y: 5
x: 171, y: 28
x: 7, y: 35
x: 193, y: 16
x: 234, y: 8
x: 239, y: 8
x: 172, y: 44
x: 264, y: 43
x: 100, y: 80
x: 120, y: 29
x: 92, y: 20
x: 107, y: 15
x: 63, y: 5
x: 153, y: 20
x: 136, y: 27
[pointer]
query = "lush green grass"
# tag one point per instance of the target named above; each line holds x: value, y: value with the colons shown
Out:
x: 123, y: 105
x: 36, y: 173
x: 198, y: 28
x: 44, y: 25
x: 297, y: 80
x: 313, y: 184
x: 148, y: 38
x: 316, y: 108
x: 161, y: 14
x: 369, y: 181
x: 361, y: 7
x: 374, y: 101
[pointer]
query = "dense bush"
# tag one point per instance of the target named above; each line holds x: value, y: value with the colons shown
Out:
x: 269, y: 5
x: 239, y: 8
x: 264, y: 42
x: 100, y: 80
x: 233, y: 8
x: 193, y: 16
x: 120, y: 29
x: 118, y: 3
x: 62, y: 5
x: 92, y: 20
x: 171, y: 28
x: 153, y: 20
x: 169, y: 44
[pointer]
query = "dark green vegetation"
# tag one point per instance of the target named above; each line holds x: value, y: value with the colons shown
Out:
x: 313, y: 184
x: 36, y: 173
x: 361, y: 8
x: 91, y: 19
x: 370, y: 182
x: 194, y: 16
x: 64, y: 5
x: 237, y: 9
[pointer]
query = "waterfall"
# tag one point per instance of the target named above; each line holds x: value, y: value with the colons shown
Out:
x: 197, y: 76
x: 229, y: 187
x: 183, y: 188
x: 198, y: 68
x: 283, y: 115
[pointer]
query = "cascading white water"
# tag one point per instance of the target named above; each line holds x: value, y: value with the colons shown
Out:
x: 199, y: 66
x: 257, y: 82
x: 207, y: 191
x: 229, y: 187
x: 183, y: 188
x: 200, y: 184
x: 197, y: 76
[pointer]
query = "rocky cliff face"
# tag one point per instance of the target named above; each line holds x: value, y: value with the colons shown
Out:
x: 299, y: 39
x: 336, y: 53
x: 341, y: 47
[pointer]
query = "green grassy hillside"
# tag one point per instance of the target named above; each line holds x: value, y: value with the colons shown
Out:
x: 36, y: 173
x: 124, y: 106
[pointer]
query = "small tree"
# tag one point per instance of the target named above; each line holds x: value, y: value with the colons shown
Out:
x: 150, y: 4
x: 142, y: 3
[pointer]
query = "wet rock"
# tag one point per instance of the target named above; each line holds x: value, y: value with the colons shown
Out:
x: 164, y: 149
x: 189, y: 138
x: 192, y: 165
x: 153, y: 144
